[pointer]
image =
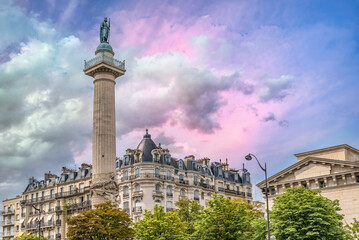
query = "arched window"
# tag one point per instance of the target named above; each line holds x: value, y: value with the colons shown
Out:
x: 180, y: 164
x: 158, y: 187
x: 137, y: 173
x: 125, y: 191
x: 183, y: 192
x: 125, y: 175
x: 169, y: 191
x: 157, y: 173
x: 196, y: 195
x: 137, y: 187
x: 181, y: 178
x: 169, y: 207
x: 168, y: 175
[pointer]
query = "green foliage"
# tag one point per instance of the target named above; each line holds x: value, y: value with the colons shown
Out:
x: 303, y: 214
x: 105, y: 222
x: 226, y: 219
x: 259, y: 226
x: 29, y: 237
x: 190, y: 212
x: 160, y: 225
x: 353, y: 230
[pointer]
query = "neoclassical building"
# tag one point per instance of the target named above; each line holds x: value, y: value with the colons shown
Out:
x: 334, y: 170
x: 145, y: 176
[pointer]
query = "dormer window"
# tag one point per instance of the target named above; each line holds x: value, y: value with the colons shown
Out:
x: 127, y: 160
x: 117, y: 164
x: 194, y: 165
x: 225, y: 174
x: 137, y: 173
x: 180, y: 164
x: 168, y: 159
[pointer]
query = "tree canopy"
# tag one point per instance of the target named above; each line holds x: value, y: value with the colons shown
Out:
x: 353, y: 230
x: 104, y: 222
x: 189, y: 212
x: 303, y: 214
x: 226, y: 219
x: 160, y: 225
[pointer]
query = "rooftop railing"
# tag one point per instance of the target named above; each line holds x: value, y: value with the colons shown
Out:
x: 109, y: 60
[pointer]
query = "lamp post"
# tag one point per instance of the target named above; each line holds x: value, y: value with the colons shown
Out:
x: 248, y: 158
x: 39, y: 222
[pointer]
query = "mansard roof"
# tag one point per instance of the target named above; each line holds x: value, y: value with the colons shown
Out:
x: 305, y: 162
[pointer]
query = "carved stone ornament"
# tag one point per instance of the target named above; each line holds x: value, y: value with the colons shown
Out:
x: 107, y: 189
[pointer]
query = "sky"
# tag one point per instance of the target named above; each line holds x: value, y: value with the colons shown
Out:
x: 217, y: 79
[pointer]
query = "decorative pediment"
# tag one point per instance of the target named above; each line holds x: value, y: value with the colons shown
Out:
x: 311, y: 167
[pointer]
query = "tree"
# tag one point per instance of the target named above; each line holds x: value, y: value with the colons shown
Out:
x: 104, y: 222
x: 353, y: 230
x: 190, y: 212
x: 160, y: 225
x: 29, y: 237
x: 227, y: 219
x: 303, y: 214
x: 260, y: 229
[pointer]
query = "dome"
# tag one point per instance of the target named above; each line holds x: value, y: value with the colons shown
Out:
x: 104, y: 47
x: 146, y: 146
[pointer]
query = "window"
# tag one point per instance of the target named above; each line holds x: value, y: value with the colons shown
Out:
x: 196, y: 195
x: 322, y: 184
x: 158, y: 202
x: 168, y: 175
x: 225, y: 174
x: 180, y: 164
x: 168, y: 159
x: 158, y: 187
x: 169, y: 191
x: 17, y: 217
x: 17, y: 205
x: 117, y: 164
x: 125, y: 191
x: 127, y: 160
x: 183, y: 192
x: 42, y: 194
x: 62, y: 190
x: 125, y: 175
x: 52, y: 193
x: 305, y: 185
x: 126, y: 205
x: 138, y: 207
x: 272, y: 191
x: 137, y: 187
x: 137, y: 173
x: 195, y: 180
x: 169, y: 207
x: 181, y: 177
x: 357, y: 178
x: 157, y: 173
x: 26, y: 198
x: 37, y: 197
x: 71, y: 188
x: 207, y: 182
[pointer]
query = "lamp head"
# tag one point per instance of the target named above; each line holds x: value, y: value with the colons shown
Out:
x: 248, y: 157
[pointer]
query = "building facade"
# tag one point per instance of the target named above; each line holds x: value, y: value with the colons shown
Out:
x: 334, y: 170
x: 146, y: 176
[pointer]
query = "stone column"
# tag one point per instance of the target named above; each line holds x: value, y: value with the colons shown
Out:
x: 104, y: 69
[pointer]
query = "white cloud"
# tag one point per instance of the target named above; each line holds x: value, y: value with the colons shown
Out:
x: 275, y: 88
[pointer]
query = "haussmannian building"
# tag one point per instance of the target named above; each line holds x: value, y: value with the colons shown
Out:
x: 333, y: 170
x: 146, y: 176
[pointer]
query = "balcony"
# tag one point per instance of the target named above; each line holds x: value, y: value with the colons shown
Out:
x: 220, y: 189
x: 169, y: 194
x: 7, y: 223
x: 8, y: 234
x: 169, y: 209
x: 109, y: 60
x: 183, y: 182
x: 230, y: 191
x: 38, y: 199
x: 137, y: 210
x: 125, y: 195
x: 58, y: 236
x: 76, y: 206
x: 137, y: 193
x: 204, y: 185
x: 8, y: 212
x: 196, y: 198
x: 157, y: 194
x: 73, y: 192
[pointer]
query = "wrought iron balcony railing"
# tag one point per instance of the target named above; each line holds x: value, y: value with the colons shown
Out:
x: 109, y: 60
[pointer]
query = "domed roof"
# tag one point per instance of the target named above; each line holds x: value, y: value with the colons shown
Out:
x: 104, y: 47
x: 146, y: 146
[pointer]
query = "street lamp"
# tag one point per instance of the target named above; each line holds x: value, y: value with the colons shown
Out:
x: 39, y: 221
x: 248, y: 158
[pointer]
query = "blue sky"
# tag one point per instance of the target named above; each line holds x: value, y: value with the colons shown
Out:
x: 214, y: 79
